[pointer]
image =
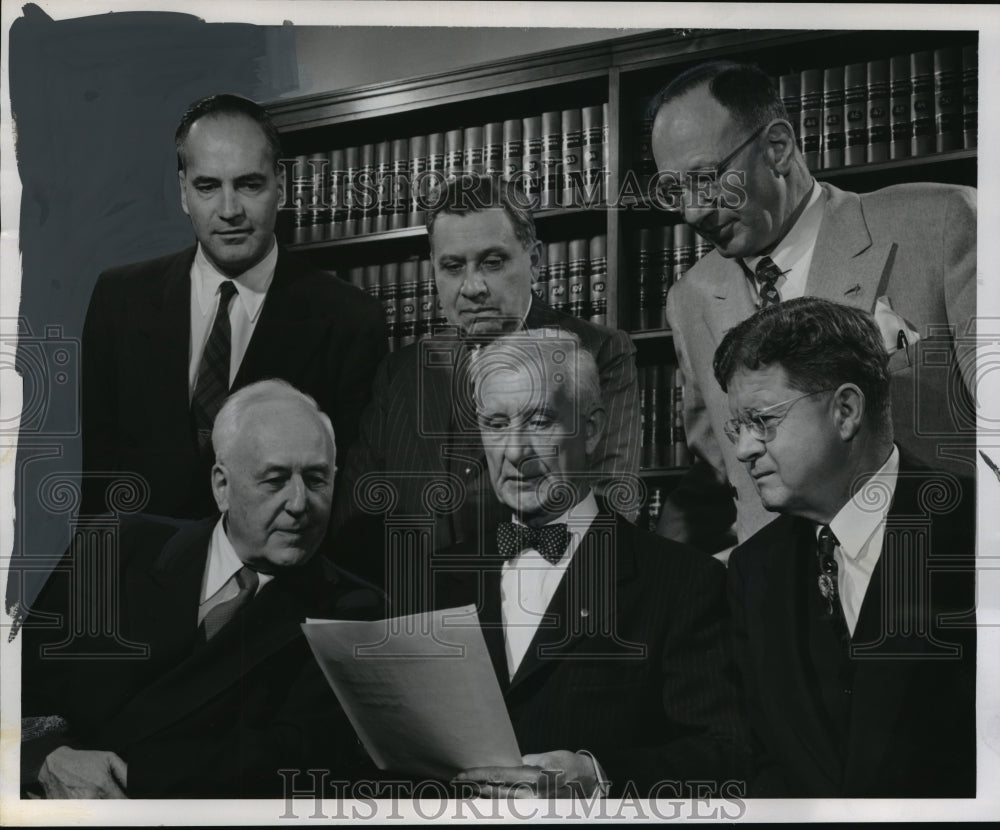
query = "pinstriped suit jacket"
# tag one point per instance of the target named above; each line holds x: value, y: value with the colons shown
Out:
x: 630, y: 662
x: 411, y: 479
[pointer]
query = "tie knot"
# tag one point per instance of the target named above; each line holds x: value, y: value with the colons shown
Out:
x: 247, y: 579
x: 550, y: 540
x: 226, y: 290
x: 827, y: 540
x: 766, y: 271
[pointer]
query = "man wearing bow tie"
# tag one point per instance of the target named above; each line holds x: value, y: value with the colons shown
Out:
x: 608, y: 642
x: 419, y: 451
x: 729, y: 165
x: 854, y: 610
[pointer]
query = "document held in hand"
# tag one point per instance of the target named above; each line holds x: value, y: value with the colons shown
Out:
x: 420, y: 690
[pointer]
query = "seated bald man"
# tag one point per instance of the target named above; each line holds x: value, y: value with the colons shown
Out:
x: 608, y: 642
x: 204, y: 686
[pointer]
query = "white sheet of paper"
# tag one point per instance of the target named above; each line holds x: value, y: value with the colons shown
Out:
x: 420, y: 690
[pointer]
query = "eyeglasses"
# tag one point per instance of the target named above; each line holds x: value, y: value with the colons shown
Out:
x: 761, y: 425
x: 700, y: 187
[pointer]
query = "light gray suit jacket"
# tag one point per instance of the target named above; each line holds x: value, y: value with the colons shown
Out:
x: 914, y: 244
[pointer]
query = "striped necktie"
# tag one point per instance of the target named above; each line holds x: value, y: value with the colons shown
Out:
x: 212, y: 386
x: 222, y: 613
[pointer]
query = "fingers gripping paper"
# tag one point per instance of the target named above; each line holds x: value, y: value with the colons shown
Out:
x: 420, y: 691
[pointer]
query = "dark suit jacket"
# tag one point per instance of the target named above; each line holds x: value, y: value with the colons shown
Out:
x: 912, y: 721
x: 413, y: 475
x: 914, y: 244
x: 317, y: 332
x: 630, y: 663
x: 193, y: 718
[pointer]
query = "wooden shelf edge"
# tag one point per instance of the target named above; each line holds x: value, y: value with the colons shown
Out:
x: 541, y: 215
x: 896, y: 164
x: 662, y: 472
x: 651, y: 334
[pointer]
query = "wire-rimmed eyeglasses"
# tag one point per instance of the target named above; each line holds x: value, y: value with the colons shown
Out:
x: 762, y: 425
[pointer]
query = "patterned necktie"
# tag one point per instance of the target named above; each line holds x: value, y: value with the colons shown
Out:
x: 767, y: 275
x: 825, y: 544
x: 222, y: 613
x: 550, y: 540
x: 212, y: 386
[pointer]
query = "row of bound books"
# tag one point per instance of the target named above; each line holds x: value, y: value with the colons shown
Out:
x: 661, y: 408
x: 559, y: 158
x: 408, y: 295
x: 573, y: 277
x: 864, y: 113
x: 662, y: 257
x: 895, y: 108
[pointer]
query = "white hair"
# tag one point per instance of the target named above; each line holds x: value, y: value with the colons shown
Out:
x: 229, y: 421
x: 542, y: 352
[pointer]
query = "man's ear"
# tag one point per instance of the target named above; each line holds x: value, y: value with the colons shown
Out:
x: 181, y: 180
x: 220, y: 487
x: 535, y: 253
x: 780, y: 151
x: 593, y: 427
x: 848, y: 410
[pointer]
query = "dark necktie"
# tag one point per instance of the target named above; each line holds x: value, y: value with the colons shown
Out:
x: 222, y: 613
x: 767, y: 274
x: 212, y: 386
x: 550, y: 540
x: 825, y: 544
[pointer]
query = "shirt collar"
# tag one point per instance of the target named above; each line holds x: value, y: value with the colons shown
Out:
x: 861, y: 516
x: 800, y: 238
x: 223, y: 562
x: 251, y: 285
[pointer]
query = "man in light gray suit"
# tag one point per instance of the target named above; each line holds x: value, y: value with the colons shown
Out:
x: 727, y: 157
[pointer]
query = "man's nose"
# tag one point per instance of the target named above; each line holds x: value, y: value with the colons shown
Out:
x: 748, y: 448
x: 473, y: 285
x: 232, y: 205
x: 295, y: 498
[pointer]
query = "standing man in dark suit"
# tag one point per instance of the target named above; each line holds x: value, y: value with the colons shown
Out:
x: 853, y: 611
x: 165, y: 340
x: 608, y: 642
x: 419, y: 465
x: 226, y: 691
x: 728, y: 160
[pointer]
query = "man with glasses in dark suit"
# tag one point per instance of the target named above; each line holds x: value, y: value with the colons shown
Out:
x: 853, y: 612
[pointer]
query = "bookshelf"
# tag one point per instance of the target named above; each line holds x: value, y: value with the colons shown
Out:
x: 618, y: 76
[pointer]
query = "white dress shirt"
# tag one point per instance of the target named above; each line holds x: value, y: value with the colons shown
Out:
x: 218, y: 584
x: 793, y: 254
x: 244, y: 310
x: 529, y: 581
x: 860, y: 529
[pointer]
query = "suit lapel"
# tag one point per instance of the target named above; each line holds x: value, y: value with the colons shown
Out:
x: 783, y: 610
x: 269, y: 622
x: 585, y: 602
x: 847, y: 266
x: 732, y: 299
x: 881, y: 676
x: 287, y: 332
x: 167, y: 354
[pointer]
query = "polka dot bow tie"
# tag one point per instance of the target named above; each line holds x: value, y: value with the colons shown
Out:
x: 550, y: 541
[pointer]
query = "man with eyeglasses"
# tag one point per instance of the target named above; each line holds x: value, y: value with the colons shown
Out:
x: 853, y: 613
x: 729, y: 165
